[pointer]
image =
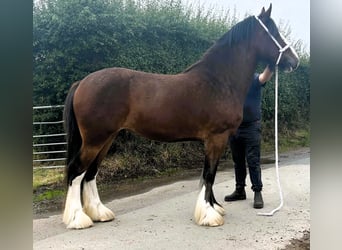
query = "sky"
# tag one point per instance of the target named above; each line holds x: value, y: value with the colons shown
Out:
x: 295, y: 13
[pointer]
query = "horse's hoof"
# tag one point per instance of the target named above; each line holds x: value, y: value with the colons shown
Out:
x: 208, y: 216
x: 79, y: 221
x: 99, y: 213
x: 205, y: 214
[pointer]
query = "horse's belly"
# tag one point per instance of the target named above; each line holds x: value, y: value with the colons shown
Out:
x: 163, y: 126
x: 161, y: 132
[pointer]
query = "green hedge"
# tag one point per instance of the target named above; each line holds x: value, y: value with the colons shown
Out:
x: 73, y: 38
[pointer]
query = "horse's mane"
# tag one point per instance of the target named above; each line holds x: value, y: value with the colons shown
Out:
x: 241, y: 31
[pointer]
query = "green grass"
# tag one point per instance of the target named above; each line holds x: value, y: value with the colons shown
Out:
x: 301, y: 138
x: 288, y: 142
x: 49, y: 195
x: 47, y: 184
x: 45, y: 177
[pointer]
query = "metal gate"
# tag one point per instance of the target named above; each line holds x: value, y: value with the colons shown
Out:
x: 49, y: 144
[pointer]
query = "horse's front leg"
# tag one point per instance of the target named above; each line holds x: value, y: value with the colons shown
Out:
x: 208, y: 211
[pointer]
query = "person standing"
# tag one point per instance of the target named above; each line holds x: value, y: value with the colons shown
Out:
x: 245, y: 144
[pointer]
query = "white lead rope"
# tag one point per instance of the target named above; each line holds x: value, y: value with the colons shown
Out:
x: 281, y: 50
x: 276, y: 147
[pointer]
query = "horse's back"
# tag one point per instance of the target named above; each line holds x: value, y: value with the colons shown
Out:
x: 112, y: 87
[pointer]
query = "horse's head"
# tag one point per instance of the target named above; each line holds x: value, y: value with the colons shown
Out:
x: 272, y: 47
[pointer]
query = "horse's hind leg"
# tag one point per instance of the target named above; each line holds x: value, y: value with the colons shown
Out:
x: 92, y: 204
x: 73, y: 216
x: 208, y: 212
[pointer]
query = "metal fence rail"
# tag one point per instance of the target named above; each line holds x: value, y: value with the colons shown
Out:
x: 43, y: 156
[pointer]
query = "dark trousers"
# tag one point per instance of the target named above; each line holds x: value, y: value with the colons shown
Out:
x: 245, y: 146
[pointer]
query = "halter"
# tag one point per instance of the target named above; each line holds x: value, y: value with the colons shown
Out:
x: 281, y: 49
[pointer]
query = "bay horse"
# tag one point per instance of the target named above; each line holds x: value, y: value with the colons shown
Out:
x: 204, y: 102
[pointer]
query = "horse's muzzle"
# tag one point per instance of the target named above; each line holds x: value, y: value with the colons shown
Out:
x: 289, y: 65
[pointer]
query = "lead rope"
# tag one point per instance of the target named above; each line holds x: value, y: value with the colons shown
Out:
x: 276, y: 146
x: 281, y: 50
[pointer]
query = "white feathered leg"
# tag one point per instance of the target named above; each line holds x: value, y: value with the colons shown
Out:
x: 92, y: 204
x: 205, y: 214
x: 219, y: 209
x: 73, y: 216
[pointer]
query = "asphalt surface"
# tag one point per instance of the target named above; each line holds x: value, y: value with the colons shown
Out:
x: 162, y: 218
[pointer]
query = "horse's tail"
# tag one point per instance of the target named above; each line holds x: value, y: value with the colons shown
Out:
x: 73, y: 136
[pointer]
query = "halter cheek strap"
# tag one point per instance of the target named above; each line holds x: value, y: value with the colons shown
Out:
x: 281, y: 49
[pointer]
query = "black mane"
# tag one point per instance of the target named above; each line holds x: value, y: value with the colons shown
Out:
x: 242, y: 31
x: 239, y: 32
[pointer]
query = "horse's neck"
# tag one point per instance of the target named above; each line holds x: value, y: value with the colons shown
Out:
x: 231, y: 68
x: 242, y: 65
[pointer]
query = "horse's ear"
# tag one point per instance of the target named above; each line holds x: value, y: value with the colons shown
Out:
x: 268, y: 12
x: 262, y: 12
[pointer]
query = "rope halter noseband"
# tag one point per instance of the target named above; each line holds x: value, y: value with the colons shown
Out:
x: 281, y: 49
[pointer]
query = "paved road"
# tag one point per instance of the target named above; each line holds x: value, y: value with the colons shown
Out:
x: 163, y: 217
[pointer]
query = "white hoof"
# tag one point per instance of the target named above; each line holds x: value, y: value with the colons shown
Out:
x: 99, y: 213
x: 78, y: 221
x: 205, y: 214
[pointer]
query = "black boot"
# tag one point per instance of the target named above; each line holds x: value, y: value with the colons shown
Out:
x: 238, y: 194
x: 258, y: 202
